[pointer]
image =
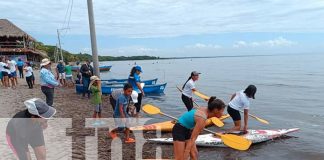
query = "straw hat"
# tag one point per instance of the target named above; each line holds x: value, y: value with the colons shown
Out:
x: 45, y: 62
x: 93, y: 79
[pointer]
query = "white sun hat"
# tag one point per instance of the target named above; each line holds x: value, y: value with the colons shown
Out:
x: 92, y: 80
x: 45, y: 62
x: 38, y: 107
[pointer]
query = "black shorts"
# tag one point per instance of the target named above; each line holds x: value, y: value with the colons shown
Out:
x: 112, y: 102
x: 5, y: 74
x: 139, y: 102
x: 180, y: 133
x: 235, y: 114
x: 187, y: 101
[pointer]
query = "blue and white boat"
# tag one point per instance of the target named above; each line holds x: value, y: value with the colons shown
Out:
x: 107, y: 89
x: 124, y: 81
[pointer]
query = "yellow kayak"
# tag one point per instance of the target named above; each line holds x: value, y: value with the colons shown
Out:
x: 167, y: 125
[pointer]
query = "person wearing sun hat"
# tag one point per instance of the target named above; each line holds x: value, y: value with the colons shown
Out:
x: 135, y: 80
x: 95, y: 88
x: 47, y: 81
x: 240, y: 102
x: 26, y: 128
x: 188, y: 88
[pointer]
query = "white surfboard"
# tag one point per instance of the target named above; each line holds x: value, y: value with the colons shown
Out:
x: 256, y: 136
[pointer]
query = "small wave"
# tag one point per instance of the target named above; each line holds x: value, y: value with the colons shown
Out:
x: 284, y: 85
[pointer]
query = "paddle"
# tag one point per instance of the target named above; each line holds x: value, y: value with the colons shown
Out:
x: 233, y: 141
x: 257, y: 118
x: 204, y: 97
x: 251, y: 115
x: 215, y: 120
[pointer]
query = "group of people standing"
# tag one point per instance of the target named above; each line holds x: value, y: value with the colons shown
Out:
x: 191, y: 123
x: 8, y: 72
x: 64, y: 74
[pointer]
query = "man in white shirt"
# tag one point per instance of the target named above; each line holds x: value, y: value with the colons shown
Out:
x: 13, y: 72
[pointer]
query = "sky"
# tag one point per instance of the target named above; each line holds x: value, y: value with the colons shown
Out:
x: 175, y: 28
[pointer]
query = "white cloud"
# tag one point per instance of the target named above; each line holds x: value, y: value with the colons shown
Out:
x: 203, y: 46
x: 161, y: 18
x: 278, y: 42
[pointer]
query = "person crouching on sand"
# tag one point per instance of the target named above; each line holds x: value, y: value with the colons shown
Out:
x: 26, y: 128
x: 116, y: 93
x: 121, y: 116
x: 239, y: 102
x: 189, y: 126
x: 95, y: 88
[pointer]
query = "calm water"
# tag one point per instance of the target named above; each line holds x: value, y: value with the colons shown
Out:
x: 290, y: 94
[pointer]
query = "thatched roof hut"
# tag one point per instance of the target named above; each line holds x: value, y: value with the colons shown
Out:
x: 14, y: 42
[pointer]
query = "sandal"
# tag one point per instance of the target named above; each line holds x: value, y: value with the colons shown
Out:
x: 112, y: 135
x: 130, y: 140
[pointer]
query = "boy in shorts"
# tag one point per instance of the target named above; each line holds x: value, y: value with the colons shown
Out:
x: 120, y: 114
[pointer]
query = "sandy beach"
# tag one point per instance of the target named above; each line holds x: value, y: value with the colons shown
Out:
x: 73, y: 106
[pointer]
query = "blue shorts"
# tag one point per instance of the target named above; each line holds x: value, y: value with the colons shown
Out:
x: 98, y: 108
x: 13, y: 74
x: 0, y: 75
x: 120, y: 124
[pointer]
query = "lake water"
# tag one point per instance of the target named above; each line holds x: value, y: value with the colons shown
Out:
x: 290, y: 95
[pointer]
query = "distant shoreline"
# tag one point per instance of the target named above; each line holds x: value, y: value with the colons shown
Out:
x: 228, y: 56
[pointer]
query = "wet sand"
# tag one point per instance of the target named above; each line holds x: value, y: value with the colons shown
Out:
x: 71, y: 105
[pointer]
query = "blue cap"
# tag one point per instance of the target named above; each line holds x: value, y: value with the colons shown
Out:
x: 138, y: 68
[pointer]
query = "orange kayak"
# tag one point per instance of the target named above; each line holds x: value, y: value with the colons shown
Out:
x: 167, y: 125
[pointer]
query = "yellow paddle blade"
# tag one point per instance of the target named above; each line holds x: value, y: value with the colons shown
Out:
x: 236, y: 142
x: 150, y: 109
x: 206, y: 98
x: 217, y: 122
x: 224, y: 116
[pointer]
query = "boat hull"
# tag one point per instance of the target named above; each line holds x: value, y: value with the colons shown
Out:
x: 124, y: 81
x: 107, y: 89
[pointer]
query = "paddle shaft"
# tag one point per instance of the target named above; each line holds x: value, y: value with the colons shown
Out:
x: 192, y: 100
x: 257, y: 118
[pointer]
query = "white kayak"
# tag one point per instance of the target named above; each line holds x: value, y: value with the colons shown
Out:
x: 256, y: 136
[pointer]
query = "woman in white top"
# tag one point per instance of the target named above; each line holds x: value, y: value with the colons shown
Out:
x: 29, y: 75
x: 188, y: 88
x: 240, y: 101
x: 4, y: 69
